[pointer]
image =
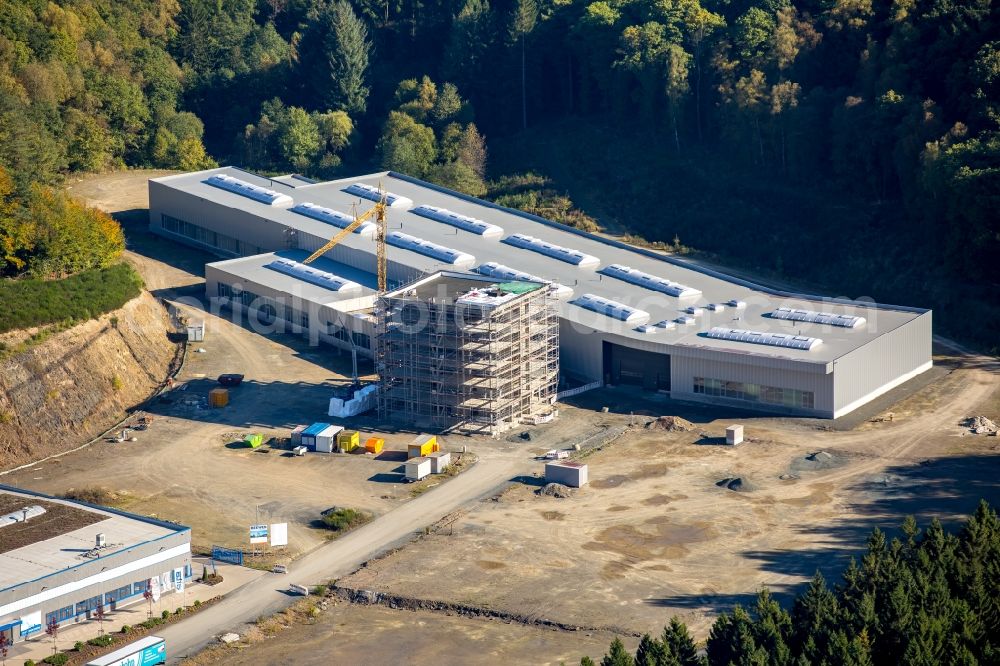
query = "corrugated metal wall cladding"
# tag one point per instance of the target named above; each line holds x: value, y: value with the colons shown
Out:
x: 883, y: 360
x: 683, y: 370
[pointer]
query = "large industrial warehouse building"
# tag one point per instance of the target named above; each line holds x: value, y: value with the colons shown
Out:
x: 60, y: 560
x: 626, y: 315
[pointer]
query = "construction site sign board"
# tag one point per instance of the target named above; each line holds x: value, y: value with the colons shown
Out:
x: 279, y: 534
x: 258, y: 534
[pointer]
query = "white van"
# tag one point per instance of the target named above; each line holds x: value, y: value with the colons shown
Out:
x: 295, y: 588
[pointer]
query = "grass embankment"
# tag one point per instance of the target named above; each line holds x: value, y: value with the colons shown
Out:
x: 28, y: 303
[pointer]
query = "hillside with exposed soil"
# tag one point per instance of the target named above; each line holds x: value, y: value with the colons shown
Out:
x: 59, y: 393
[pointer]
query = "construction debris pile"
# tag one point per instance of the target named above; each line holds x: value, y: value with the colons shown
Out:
x: 670, y: 424
x: 980, y: 425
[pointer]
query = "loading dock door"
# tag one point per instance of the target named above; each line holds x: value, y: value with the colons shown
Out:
x: 636, y: 367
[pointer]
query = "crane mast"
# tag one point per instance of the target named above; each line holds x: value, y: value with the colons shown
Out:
x: 378, y: 214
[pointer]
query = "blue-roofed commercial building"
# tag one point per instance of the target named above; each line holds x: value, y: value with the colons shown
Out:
x: 627, y: 316
x: 60, y: 560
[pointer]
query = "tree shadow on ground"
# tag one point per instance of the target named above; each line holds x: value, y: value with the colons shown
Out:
x: 947, y: 488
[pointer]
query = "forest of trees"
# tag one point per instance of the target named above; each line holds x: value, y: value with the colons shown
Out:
x: 847, y: 143
x: 927, y: 598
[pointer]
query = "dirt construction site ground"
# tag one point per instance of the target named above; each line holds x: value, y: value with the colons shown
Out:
x: 652, y: 536
x: 187, y: 466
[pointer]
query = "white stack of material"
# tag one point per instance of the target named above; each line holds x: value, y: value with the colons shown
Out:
x: 364, y: 400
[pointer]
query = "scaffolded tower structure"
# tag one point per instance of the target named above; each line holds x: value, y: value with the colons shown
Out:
x: 464, y: 353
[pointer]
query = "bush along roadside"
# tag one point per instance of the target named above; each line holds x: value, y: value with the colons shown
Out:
x: 82, y: 652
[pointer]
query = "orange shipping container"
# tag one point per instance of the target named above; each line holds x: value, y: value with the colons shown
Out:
x: 218, y: 397
x: 374, y: 445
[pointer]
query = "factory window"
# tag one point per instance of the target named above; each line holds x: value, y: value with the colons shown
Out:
x: 87, y: 605
x: 170, y: 223
x: 206, y: 236
x: 139, y: 586
x: 117, y: 595
x: 362, y: 340
x: 60, y: 615
x: 248, y: 297
x: 224, y: 290
x: 754, y: 393
x: 266, y: 313
x: 338, y: 332
x: 304, y: 320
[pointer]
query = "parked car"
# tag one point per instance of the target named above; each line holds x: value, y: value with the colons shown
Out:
x: 280, y: 568
x: 230, y: 379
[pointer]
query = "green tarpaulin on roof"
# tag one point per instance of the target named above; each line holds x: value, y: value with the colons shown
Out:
x: 518, y: 287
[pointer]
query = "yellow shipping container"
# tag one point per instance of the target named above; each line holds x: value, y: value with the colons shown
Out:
x: 374, y: 445
x: 348, y: 440
x: 218, y: 397
x: 421, y: 446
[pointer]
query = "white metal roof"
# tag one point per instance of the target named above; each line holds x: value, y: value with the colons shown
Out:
x: 749, y: 304
x: 313, y: 275
x: 760, y: 338
x: 249, y: 190
x: 330, y: 216
x: 474, y: 225
x: 66, y: 550
x: 570, y: 256
x: 812, y: 316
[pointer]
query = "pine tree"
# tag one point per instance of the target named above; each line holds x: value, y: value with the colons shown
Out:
x: 679, y: 645
x: 346, y: 50
x: 523, y: 22
x: 772, y: 628
x: 650, y: 652
x: 617, y: 655
x: 813, y: 614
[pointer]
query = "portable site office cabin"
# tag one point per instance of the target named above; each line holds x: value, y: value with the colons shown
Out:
x: 297, y: 435
x: 308, y: 436
x: 422, y: 445
x: 567, y: 472
x: 439, y: 460
x: 326, y: 441
x: 348, y: 440
x: 417, y: 468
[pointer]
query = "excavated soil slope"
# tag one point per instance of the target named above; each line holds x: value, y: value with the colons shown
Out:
x: 78, y: 383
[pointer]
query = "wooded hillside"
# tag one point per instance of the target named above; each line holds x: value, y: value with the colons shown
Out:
x: 848, y: 143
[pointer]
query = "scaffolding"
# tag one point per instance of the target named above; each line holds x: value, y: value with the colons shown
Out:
x: 472, y: 357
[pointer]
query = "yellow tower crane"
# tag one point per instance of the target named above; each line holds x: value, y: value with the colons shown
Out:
x: 378, y: 214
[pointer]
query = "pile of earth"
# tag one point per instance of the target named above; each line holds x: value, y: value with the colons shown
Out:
x: 556, y: 490
x: 981, y: 425
x: 817, y: 460
x: 737, y: 483
x: 670, y: 424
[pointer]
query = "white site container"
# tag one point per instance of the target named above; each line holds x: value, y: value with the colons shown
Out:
x: 417, y: 468
x: 439, y: 460
x: 567, y: 472
x: 734, y: 435
x: 326, y: 441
